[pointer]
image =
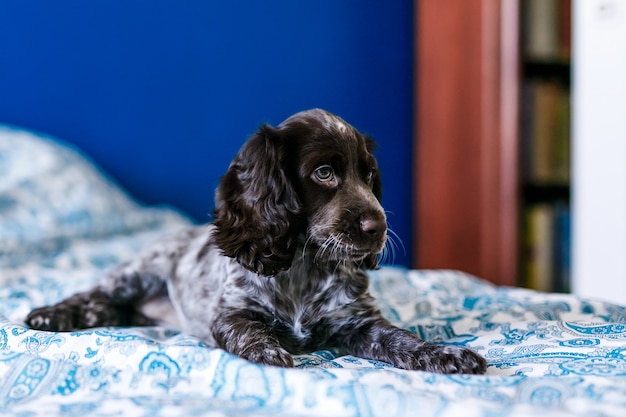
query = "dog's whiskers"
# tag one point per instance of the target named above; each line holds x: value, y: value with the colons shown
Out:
x: 331, y: 248
x: 391, y: 247
x: 336, y: 248
x: 320, y: 253
x: 311, y: 233
x: 306, y: 243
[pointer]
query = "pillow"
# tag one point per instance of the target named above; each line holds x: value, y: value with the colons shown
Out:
x: 51, y: 194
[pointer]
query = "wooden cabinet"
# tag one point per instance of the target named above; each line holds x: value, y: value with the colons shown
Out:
x: 466, y: 137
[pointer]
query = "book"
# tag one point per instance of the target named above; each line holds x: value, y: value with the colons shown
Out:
x: 538, y: 244
x: 547, y: 29
x: 546, y: 262
x: 545, y: 132
x: 562, y: 248
x: 541, y: 29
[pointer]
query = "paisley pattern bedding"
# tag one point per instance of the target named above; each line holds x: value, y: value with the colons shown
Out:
x: 62, y: 222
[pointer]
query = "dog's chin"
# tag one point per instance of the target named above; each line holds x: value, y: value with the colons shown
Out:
x: 358, y: 257
x: 355, y: 256
x: 341, y: 250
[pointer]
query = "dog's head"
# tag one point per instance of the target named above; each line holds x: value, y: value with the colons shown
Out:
x: 313, y: 178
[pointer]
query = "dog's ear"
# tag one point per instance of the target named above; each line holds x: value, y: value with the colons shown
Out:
x: 377, y: 184
x: 371, y: 261
x: 256, y: 207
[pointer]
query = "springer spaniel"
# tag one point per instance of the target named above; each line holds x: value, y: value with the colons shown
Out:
x: 282, y: 270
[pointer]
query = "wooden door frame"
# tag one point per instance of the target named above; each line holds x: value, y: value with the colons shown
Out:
x: 466, y: 137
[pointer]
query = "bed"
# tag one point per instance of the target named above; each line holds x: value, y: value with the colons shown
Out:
x: 63, y: 221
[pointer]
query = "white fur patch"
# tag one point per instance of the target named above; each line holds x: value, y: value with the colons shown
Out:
x: 340, y: 126
x: 162, y: 310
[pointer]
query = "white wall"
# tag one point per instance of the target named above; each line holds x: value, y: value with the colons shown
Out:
x: 599, y: 149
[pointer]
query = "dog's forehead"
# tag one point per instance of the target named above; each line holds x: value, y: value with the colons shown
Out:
x: 332, y: 122
x: 326, y: 123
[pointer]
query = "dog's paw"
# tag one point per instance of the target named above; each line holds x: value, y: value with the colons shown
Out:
x: 269, y: 355
x: 448, y: 360
x: 51, y: 319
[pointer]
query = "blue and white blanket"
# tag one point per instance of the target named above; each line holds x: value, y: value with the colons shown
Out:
x: 62, y: 222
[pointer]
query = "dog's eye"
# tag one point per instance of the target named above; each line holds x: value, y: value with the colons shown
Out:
x: 370, y: 175
x: 324, y: 173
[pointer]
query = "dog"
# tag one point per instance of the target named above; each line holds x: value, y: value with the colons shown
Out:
x: 282, y: 269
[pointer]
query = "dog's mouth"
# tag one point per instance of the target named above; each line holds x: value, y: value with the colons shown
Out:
x: 338, y: 246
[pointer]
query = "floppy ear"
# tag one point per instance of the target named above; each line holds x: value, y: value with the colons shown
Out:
x: 256, y: 207
x: 371, y: 261
x: 377, y: 185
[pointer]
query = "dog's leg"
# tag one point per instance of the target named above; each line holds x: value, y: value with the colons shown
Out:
x: 123, y: 289
x: 251, y: 339
x: 114, y: 303
x: 93, y: 308
x: 380, y: 340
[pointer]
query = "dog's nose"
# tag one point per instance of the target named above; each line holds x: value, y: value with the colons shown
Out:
x: 374, y: 228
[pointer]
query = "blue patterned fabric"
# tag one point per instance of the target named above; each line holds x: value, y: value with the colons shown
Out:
x: 62, y: 223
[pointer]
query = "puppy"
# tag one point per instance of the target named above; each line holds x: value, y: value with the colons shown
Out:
x: 282, y: 269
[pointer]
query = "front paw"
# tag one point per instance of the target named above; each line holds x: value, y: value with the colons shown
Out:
x: 448, y: 360
x: 51, y: 319
x: 266, y: 354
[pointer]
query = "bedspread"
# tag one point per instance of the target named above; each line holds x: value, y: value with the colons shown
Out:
x: 62, y: 222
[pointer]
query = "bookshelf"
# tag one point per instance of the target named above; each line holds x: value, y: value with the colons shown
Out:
x: 545, y: 145
x: 472, y: 186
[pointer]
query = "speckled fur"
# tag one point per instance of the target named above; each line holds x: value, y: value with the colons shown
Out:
x: 282, y: 270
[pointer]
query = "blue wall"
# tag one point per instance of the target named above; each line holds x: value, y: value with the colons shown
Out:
x: 163, y: 93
